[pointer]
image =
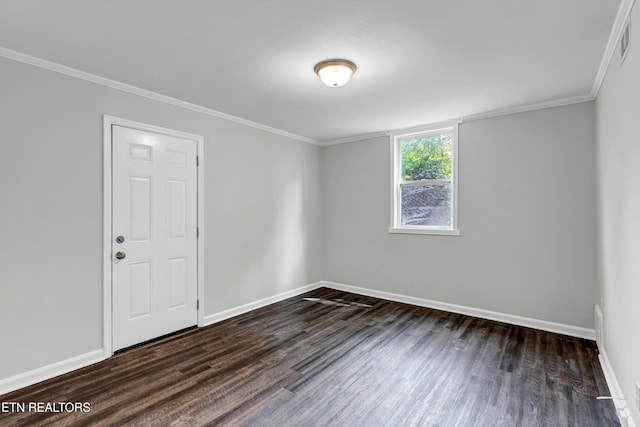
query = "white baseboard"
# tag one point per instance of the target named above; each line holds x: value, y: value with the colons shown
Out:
x: 80, y: 361
x: 559, y: 328
x: 616, y: 392
x: 245, y: 308
x: 44, y: 373
x: 599, y: 325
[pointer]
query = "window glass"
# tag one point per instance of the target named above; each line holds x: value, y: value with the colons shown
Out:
x: 424, y: 182
x: 427, y: 157
x: 428, y: 205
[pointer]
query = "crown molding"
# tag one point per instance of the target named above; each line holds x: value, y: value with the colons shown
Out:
x: 621, y: 19
x: 469, y: 118
x: 424, y: 127
x: 52, y: 66
x: 360, y: 137
x: 618, y: 26
x: 529, y: 107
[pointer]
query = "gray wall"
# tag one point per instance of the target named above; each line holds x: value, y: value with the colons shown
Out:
x: 618, y: 130
x: 527, y: 194
x: 262, y: 211
x: 281, y: 214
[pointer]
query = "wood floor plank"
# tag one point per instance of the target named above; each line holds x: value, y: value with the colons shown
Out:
x: 331, y: 358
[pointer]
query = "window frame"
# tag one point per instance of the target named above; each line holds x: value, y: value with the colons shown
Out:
x: 397, y: 183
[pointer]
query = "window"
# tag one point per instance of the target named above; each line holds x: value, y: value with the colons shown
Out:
x: 424, y: 186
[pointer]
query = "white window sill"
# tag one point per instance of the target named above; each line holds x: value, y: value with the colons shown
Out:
x: 421, y: 230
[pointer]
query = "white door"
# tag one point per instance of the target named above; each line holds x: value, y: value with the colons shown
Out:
x: 154, y: 240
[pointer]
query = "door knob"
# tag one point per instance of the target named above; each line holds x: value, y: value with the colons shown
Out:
x: 120, y: 255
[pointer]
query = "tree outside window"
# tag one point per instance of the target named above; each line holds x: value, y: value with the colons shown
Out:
x: 424, y: 180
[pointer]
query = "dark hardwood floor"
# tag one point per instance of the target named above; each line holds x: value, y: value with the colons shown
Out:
x: 338, y: 359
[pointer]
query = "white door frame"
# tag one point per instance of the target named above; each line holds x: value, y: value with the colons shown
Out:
x: 107, y: 122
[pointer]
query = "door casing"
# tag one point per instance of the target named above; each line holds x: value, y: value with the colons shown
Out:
x: 108, y: 122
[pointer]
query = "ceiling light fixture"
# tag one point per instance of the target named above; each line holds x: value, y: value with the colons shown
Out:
x: 335, y: 72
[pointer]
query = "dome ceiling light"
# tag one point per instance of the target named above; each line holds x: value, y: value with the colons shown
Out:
x: 335, y: 72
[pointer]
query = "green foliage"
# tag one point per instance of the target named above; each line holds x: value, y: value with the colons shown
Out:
x: 426, y: 158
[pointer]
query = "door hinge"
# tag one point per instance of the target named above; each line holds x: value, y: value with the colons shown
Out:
x: 197, y: 160
x: 197, y: 232
x: 197, y: 304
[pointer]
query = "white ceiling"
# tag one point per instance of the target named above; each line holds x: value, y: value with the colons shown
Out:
x: 419, y: 61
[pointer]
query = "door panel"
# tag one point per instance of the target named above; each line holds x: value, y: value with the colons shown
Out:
x: 177, y: 282
x: 154, y: 204
x: 177, y: 214
x: 139, y: 209
x: 139, y: 290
